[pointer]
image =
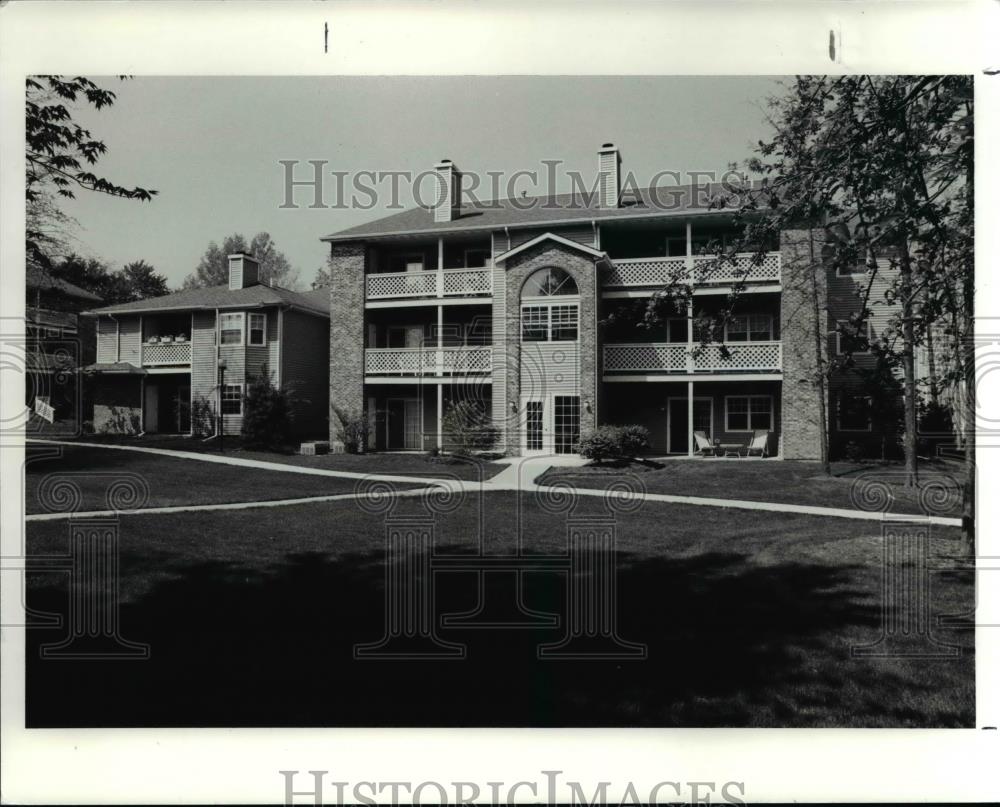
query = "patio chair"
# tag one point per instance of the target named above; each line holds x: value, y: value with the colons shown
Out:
x: 758, y: 444
x: 703, y: 444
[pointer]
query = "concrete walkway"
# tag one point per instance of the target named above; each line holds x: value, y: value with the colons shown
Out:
x: 519, y: 476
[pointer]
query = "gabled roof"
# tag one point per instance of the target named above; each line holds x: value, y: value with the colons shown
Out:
x: 211, y: 297
x: 36, y: 278
x: 566, y: 242
x: 541, y: 211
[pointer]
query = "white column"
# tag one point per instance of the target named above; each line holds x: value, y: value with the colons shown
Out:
x: 690, y: 418
x: 440, y: 269
x: 440, y: 406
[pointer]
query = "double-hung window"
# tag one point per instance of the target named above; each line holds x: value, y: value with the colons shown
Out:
x: 749, y: 328
x: 550, y: 323
x: 258, y: 329
x: 232, y: 399
x: 854, y: 338
x: 746, y: 413
x: 231, y: 329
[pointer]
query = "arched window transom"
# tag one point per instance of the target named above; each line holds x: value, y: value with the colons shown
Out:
x: 550, y: 282
x: 549, y: 312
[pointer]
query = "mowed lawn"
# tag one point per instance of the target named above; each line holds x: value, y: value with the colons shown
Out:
x: 81, y: 478
x: 405, y: 463
x: 748, y: 619
x: 852, y: 486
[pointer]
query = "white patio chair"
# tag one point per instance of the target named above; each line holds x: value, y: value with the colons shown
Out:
x: 703, y: 444
x: 758, y: 444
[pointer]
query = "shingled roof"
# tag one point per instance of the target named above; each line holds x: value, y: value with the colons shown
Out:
x: 538, y: 211
x: 256, y: 296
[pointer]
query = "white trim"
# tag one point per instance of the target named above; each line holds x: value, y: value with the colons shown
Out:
x: 242, y: 328
x: 222, y: 400
x: 682, y: 377
x: 840, y: 397
x: 711, y: 420
x: 699, y: 291
x: 548, y: 402
x: 415, y: 303
x: 749, y: 428
x: 566, y: 242
x: 423, y: 381
x: 249, y: 320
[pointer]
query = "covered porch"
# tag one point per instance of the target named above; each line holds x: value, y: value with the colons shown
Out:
x: 408, y: 416
x: 728, y: 412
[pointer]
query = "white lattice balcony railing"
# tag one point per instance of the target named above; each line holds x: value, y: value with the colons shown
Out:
x: 160, y: 353
x: 428, y: 361
x: 663, y: 357
x: 469, y: 282
x: 648, y: 272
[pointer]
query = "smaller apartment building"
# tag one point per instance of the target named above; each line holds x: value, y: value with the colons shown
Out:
x: 170, y: 364
x: 517, y: 306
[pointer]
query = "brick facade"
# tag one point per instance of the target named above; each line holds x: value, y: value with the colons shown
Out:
x: 347, y: 333
x: 582, y: 268
x: 803, y: 300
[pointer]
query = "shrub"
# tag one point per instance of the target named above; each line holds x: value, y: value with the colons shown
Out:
x: 603, y: 443
x: 267, y: 414
x: 203, y: 421
x: 615, y: 442
x: 469, y: 428
x: 634, y: 440
x: 353, y: 430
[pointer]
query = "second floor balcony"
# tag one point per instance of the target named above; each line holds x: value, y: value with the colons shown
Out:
x: 704, y: 270
x: 463, y: 282
x: 428, y: 361
x: 163, y: 353
x: 682, y: 358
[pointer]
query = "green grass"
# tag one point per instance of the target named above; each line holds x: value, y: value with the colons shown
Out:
x: 168, y: 481
x: 851, y: 486
x: 407, y: 464
x: 749, y: 619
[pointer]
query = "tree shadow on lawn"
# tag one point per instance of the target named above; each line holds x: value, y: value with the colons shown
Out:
x: 729, y: 643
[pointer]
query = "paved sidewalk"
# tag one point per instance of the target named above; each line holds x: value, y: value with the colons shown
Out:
x: 519, y: 476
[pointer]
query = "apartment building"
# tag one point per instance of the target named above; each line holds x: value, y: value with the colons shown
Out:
x: 513, y: 305
x: 172, y: 364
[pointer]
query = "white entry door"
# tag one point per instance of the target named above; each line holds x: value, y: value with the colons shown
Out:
x: 550, y: 424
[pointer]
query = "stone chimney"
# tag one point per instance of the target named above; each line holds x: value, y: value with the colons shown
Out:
x: 244, y: 270
x: 609, y: 175
x: 448, y: 200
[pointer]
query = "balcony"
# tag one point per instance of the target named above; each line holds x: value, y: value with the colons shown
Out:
x: 164, y: 354
x: 704, y: 270
x: 684, y: 359
x: 468, y: 282
x: 428, y: 361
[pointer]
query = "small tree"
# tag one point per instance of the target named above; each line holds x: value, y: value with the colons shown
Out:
x: 267, y: 414
x: 469, y: 427
x: 353, y: 430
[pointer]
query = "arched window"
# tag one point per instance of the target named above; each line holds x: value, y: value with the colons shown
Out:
x: 549, y: 282
x: 549, y: 312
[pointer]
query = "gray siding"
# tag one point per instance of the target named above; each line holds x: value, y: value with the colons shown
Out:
x: 107, y: 340
x: 130, y: 340
x: 550, y: 367
x: 204, y: 373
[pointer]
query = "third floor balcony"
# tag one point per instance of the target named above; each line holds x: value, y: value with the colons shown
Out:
x: 462, y: 282
x: 700, y: 270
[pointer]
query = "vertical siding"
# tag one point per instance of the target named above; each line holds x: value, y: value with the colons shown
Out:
x: 107, y: 340
x: 129, y: 340
x: 305, y: 369
x: 499, y: 331
x: 259, y: 355
x: 236, y: 367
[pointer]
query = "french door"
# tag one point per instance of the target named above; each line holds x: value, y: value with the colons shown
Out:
x: 402, y: 424
x: 551, y: 424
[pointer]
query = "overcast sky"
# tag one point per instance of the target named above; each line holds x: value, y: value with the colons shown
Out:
x: 211, y: 146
